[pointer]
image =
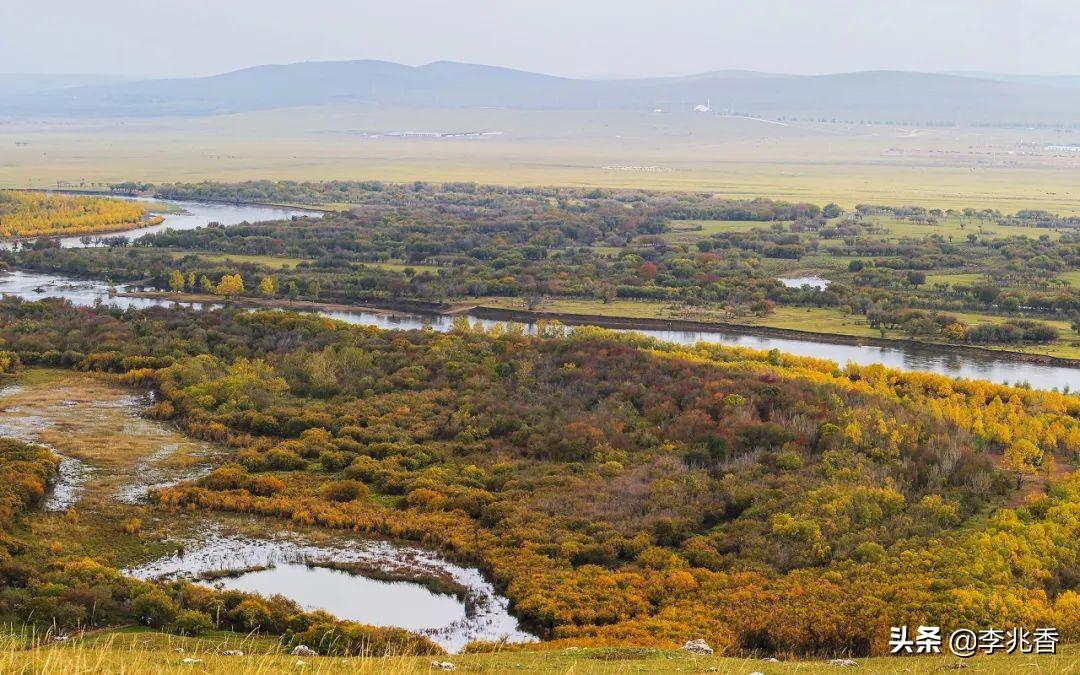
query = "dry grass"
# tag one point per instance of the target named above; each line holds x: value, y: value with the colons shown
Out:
x: 736, y: 157
x: 146, y: 652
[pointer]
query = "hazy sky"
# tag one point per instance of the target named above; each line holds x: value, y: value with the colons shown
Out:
x: 564, y: 37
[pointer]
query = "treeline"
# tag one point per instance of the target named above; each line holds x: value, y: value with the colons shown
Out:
x: 619, y: 489
x: 673, y: 206
x: 1023, y: 217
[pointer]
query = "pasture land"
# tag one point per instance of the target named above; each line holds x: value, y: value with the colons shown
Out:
x: 1007, y: 169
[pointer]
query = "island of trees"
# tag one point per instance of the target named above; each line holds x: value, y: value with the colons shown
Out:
x: 37, y: 214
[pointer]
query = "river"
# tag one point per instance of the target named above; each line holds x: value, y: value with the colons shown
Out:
x: 985, y: 366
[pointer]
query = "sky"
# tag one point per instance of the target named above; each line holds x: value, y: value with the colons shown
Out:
x: 577, y: 38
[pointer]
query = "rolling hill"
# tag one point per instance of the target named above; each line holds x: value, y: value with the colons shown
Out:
x: 877, y: 96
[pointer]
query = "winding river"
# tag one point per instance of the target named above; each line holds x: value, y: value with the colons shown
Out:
x: 984, y: 366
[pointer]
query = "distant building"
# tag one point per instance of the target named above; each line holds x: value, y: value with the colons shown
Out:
x: 1063, y: 148
x: 702, y: 108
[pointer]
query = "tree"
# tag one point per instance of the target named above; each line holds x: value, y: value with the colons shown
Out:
x: 205, y: 285
x: 954, y: 332
x: 832, y: 210
x: 916, y: 278
x: 176, y: 281
x: 230, y: 284
x: 268, y: 287
x: 1023, y: 457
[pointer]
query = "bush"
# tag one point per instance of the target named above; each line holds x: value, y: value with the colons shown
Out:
x: 344, y: 491
x: 280, y: 459
x: 192, y: 623
x: 265, y: 486
x: 154, y: 609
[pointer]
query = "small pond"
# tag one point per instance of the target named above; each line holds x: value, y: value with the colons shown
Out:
x: 415, y: 589
x: 813, y: 281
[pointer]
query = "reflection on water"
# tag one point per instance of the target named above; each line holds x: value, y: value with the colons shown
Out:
x: 35, y: 286
x: 355, y: 598
x: 287, y: 565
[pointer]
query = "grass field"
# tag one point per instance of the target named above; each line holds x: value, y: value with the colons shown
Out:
x: 143, y: 651
x: 848, y: 164
x: 273, y: 262
x: 400, y: 266
x: 1072, y: 276
x: 957, y: 228
x: 692, y: 230
x: 960, y: 278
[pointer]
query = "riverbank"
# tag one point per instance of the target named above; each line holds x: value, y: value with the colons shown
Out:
x: 124, y: 228
x: 479, y: 311
x: 165, y: 200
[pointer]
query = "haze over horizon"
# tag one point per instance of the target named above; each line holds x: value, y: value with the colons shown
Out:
x: 599, y: 38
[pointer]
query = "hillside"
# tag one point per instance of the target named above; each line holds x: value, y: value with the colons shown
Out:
x: 621, y: 491
x: 878, y: 96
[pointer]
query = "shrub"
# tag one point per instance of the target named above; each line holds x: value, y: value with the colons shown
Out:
x: 191, y: 622
x: 344, y: 491
x: 154, y: 609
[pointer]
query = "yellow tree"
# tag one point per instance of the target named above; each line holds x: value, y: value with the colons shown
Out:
x: 230, y: 284
x: 268, y: 287
x: 1023, y: 457
x: 176, y: 281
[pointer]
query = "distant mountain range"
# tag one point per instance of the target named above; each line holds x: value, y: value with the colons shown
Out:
x: 873, y: 96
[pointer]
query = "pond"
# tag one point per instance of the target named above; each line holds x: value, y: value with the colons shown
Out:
x: 813, y: 281
x: 412, y: 588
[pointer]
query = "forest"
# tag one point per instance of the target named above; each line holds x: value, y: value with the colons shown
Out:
x: 36, y: 214
x: 619, y: 490
x: 955, y: 276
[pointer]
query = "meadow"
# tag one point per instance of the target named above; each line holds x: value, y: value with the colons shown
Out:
x: 143, y: 651
x: 1006, y: 169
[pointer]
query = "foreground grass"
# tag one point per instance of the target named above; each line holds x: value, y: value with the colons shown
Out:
x: 146, y: 651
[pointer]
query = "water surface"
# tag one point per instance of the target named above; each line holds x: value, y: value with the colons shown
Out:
x: 813, y: 281
x: 289, y: 565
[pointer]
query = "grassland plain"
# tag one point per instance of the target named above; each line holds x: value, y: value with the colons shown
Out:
x: 1006, y: 169
x: 144, y: 651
